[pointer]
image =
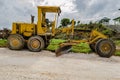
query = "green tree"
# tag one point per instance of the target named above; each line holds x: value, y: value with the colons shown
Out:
x: 104, y: 20
x: 91, y: 25
x: 65, y: 21
x: 78, y: 22
x: 117, y: 20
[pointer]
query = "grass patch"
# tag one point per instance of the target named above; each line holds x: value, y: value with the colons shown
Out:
x: 56, y: 41
x: 52, y: 47
x: 117, y: 42
x: 81, y: 48
x: 117, y: 53
x: 54, y: 44
x: 3, y: 42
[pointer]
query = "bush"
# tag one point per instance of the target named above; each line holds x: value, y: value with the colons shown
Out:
x: 56, y: 41
x: 107, y: 32
x: 54, y: 44
x: 52, y: 47
x: 117, y: 42
x: 3, y: 42
x: 117, y: 53
x: 81, y: 48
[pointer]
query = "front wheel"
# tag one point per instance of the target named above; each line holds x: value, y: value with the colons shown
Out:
x: 36, y: 43
x: 105, y: 48
x: 15, y: 42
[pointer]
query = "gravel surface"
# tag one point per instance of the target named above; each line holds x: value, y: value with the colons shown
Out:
x: 26, y: 65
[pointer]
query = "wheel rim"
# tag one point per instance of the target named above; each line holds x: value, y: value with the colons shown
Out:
x: 14, y: 42
x: 105, y: 48
x: 35, y: 44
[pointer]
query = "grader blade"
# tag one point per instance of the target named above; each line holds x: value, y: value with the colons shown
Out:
x: 63, y: 50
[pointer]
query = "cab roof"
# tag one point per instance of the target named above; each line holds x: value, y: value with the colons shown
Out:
x: 55, y: 9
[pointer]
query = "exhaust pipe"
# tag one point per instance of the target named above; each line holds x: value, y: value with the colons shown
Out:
x: 32, y: 18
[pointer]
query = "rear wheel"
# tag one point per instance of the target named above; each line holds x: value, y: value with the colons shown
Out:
x: 105, y: 48
x: 16, y: 42
x: 36, y: 43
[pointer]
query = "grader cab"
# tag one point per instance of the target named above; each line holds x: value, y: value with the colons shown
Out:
x: 36, y: 36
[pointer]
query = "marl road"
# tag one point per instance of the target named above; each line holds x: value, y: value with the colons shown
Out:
x: 26, y: 65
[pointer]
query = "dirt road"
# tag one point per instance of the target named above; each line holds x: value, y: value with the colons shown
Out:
x: 25, y: 65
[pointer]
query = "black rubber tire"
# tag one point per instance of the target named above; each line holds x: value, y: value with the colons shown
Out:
x: 108, y: 47
x: 92, y: 47
x: 40, y: 41
x: 17, y: 37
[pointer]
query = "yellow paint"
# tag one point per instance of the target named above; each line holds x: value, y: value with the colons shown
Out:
x: 95, y: 35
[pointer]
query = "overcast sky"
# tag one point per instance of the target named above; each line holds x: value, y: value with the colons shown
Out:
x: 83, y: 10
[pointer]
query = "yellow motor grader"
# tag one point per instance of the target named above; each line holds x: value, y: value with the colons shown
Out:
x: 37, y: 36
